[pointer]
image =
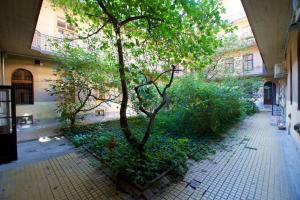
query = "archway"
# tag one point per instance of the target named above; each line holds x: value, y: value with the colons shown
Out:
x: 269, y: 93
x: 22, y: 80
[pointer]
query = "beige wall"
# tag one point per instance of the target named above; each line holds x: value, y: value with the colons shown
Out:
x: 47, y: 22
x: 292, y: 107
x: 44, y: 104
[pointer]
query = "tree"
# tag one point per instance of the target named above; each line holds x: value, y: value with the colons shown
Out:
x: 80, y: 77
x: 163, y: 34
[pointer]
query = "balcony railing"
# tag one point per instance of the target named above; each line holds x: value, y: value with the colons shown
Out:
x: 279, y: 71
x: 47, y: 44
x: 250, y: 41
x: 44, y: 43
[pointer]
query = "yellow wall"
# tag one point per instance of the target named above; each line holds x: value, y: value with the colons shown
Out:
x: 292, y: 107
x: 44, y: 104
x: 47, y: 22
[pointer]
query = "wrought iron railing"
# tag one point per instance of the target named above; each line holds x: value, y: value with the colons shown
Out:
x: 47, y: 44
x: 279, y: 71
x: 44, y: 43
x: 250, y: 41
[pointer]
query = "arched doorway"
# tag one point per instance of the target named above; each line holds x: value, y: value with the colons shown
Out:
x: 269, y: 93
x: 22, y: 80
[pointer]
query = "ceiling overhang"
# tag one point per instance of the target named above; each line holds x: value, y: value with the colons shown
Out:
x: 270, y: 21
x: 18, y: 21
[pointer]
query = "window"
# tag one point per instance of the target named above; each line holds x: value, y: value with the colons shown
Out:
x: 229, y: 65
x: 102, y: 91
x: 22, y: 80
x: 248, y: 62
x: 64, y: 29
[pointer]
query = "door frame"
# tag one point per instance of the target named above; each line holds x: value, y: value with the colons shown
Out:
x: 8, y: 141
x: 272, y: 89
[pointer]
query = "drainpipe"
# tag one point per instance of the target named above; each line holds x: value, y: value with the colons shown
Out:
x: 2, y: 67
x: 272, y: 98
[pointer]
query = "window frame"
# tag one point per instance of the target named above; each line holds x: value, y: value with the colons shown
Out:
x: 65, y: 30
x: 229, y: 64
x: 25, y: 82
x: 246, y: 67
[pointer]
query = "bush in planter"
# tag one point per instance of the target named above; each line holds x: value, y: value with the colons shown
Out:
x: 163, y: 152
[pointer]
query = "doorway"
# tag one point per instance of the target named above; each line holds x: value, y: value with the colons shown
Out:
x: 8, y: 132
x: 269, y: 93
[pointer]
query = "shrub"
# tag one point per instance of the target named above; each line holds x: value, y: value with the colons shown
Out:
x: 199, y: 107
x: 163, y: 152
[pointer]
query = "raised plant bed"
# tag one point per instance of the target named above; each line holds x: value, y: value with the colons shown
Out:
x: 137, y: 191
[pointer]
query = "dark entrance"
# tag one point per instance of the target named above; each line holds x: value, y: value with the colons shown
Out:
x: 269, y: 93
x: 8, y: 132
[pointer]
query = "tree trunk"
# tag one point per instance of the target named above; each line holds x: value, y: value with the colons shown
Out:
x: 123, y: 118
x: 72, y: 122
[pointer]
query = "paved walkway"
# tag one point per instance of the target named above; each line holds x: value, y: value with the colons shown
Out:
x: 257, y: 162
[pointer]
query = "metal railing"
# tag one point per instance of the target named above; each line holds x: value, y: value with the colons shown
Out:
x: 47, y: 44
x: 279, y: 71
x: 250, y: 41
x: 44, y: 43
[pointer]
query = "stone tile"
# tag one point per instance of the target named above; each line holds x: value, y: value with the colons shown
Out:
x: 257, y: 164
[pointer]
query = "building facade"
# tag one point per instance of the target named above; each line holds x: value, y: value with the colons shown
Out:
x: 246, y: 61
x: 29, y: 71
x: 277, y: 31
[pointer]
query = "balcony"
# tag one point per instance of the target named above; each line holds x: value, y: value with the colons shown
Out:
x: 47, y: 44
x: 250, y: 41
x: 259, y: 70
x: 44, y: 43
x: 279, y: 71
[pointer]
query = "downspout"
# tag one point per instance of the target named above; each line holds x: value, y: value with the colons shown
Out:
x: 272, y: 100
x: 2, y: 68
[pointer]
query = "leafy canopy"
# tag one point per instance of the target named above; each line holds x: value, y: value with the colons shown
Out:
x: 156, y: 33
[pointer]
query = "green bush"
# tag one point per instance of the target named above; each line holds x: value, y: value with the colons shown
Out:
x: 201, y: 108
x: 162, y: 152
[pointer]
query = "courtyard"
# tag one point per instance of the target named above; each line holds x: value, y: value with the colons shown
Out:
x: 257, y: 161
x: 150, y: 100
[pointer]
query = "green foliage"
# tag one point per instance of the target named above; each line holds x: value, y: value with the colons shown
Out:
x: 170, y: 32
x: 200, y: 108
x: 249, y: 90
x: 79, y: 75
x: 163, y: 152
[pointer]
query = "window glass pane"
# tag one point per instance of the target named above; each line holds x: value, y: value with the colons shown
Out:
x: 248, y: 62
x: 61, y: 23
x: 22, y: 80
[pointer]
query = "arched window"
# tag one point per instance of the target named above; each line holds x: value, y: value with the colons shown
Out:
x: 22, y: 80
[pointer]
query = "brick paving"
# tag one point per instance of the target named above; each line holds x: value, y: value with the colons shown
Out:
x: 257, y: 162
x: 71, y: 176
x: 251, y: 166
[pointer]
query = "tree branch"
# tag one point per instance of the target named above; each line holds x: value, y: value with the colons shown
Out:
x: 156, y: 110
x: 130, y: 19
x: 91, y: 34
x: 112, y: 19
